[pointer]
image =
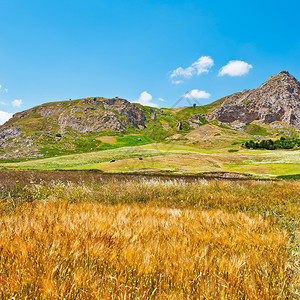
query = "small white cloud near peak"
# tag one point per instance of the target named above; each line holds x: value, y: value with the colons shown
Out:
x: 196, y: 94
x: 235, y: 68
x: 4, y: 116
x: 161, y: 99
x: 145, y: 99
x: 17, y: 103
x: 202, y: 65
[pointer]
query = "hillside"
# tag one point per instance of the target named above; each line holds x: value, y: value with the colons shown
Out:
x: 77, y: 126
x: 278, y: 99
x: 93, y: 124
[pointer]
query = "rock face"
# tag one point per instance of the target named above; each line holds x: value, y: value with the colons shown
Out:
x: 195, y: 120
x: 7, y: 134
x: 179, y: 125
x: 27, y: 132
x: 134, y: 115
x: 278, y: 99
x: 154, y: 117
x: 96, y: 115
x: 87, y: 115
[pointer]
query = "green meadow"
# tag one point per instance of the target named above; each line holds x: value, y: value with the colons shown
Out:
x: 170, y: 158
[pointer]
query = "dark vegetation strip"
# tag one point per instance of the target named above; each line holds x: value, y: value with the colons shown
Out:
x: 27, y: 176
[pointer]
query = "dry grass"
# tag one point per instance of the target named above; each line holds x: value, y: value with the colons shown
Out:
x: 140, y: 238
x: 107, y: 139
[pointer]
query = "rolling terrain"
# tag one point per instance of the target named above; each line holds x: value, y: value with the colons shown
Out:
x: 90, y: 133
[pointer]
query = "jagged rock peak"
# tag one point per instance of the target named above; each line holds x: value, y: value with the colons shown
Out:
x: 278, y: 99
x: 285, y: 73
x: 283, y: 76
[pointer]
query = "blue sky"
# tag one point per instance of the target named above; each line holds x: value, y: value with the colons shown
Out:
x: 54, y: 50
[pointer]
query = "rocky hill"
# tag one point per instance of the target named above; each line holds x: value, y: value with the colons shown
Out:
x: 278, y: 99
x: 76, y: 126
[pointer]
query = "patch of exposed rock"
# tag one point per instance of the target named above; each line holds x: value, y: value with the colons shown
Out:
x: 278, y: 99
x: 195, y: 120
x: 135, y: 116
x: 179, y: 126
x: 8, y: 134
x: 154, y: 117
x: 106, y: 114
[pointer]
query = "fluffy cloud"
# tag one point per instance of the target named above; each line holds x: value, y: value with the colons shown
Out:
x: 196, y: 94
x: 145, y: 99
x: 202, y: 65
x: 17, y: 103
x: 235, y: 68
x: 4, y: 116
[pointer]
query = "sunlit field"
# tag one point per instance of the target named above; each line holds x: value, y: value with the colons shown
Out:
x: 74, y: 235
x: 172, y: 158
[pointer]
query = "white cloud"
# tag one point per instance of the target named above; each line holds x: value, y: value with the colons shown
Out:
x: 177, y: 81
x: 196, y: 94
x: 145, y: 99
x: 17, y: 103
x: 202, y: 65
x: 186, y: 73
x: 162, y: 100
x: 235, y: 68
x: 4, y: 116
x: 0, y: 86
x: 3, y: 103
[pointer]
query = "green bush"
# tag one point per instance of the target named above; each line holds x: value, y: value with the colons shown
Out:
x: 282, y: 143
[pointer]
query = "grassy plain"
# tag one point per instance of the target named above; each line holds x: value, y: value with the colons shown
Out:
x: 77, y: 235
x: 173, y: 158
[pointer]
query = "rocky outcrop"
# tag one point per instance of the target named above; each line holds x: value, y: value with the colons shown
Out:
x: 195, y: 120
x: 134, y: 115
x: 88, y: 115
x: 94, y: 122
x: 179, y: 126
x: 154, y: 117
x: 8, y: 133
x: 31, y: 130
x: 105, y: 115
x: 278, y: 99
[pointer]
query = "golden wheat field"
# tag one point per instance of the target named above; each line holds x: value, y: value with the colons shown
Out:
x: 73, y: 235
